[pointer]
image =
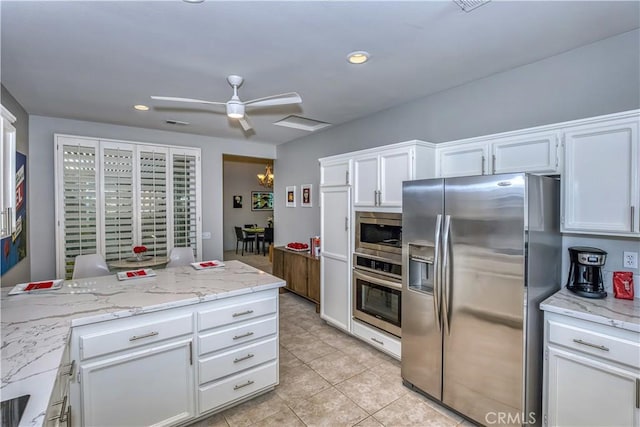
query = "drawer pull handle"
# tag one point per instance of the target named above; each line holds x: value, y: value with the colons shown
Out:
x: 242, y: 313
x: 62, y: 416
x: 599, y: 347
x: 238, y: 387
x: 377, y: 341
x: 139, y: 337
x: 248, y: 356
x: 248, y: 334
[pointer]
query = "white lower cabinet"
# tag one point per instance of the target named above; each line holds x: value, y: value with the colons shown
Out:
x: 172, y: 366
x: 378, y: 339
x: 153, y: 386
x: 591, y: 374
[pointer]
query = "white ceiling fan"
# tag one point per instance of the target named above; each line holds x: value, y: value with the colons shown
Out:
x: 236, y: 107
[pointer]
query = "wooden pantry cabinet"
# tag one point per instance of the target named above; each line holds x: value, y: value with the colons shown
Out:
x: 300, y: 270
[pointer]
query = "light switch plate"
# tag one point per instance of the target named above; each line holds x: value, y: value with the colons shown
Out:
x: 206, y: 235
x: 630, y: 260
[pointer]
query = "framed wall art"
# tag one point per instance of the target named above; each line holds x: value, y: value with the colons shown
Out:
x: 237, y: 201
x: 305, y: 195
x: 261, y: 200
x: 291, y: 197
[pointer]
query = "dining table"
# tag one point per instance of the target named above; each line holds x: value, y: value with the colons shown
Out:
x: 255, y: 231
x: 133, y: 263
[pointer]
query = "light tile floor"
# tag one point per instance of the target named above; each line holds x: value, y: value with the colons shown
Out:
x: 328, y: 378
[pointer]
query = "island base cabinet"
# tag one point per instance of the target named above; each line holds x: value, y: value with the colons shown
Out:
x: 150, y: 387
x: 233, y: 389
x: 585, y: 392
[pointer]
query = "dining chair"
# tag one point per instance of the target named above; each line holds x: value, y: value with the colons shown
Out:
x: 267, y: 237
x: 89, y: 265
x: 180, y: 256
x: 243, y: 237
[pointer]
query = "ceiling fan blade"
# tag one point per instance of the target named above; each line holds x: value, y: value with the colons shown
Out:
x: 282, y: 99
x: 191, y: 100
x: 244, y: 122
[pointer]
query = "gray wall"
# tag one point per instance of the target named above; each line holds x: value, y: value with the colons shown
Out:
x: 240, y: 179
x: 20, y: 272
x: 41, y: 184
x: 596, y: 79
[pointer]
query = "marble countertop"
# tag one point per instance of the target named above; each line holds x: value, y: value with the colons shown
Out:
x: 36, y: 327
x: 620, y: 313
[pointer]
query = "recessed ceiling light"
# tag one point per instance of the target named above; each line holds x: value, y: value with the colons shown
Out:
x: 141, y: 107
x: 193, y: 1
x: 358, y: 57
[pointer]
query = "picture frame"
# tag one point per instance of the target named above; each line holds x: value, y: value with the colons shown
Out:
x: 237, y: 201
x: 306, y: 194
x: 262, y: 200
x: 291, y: 196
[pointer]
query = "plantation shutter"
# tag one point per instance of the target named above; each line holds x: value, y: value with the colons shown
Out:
x: 78, y: 217
x: 186, y: 212
x: 118, y: 200
x: 153, y: 200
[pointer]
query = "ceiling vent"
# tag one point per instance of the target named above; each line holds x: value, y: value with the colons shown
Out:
x: 176, y: 122
x: 297, y: 122
x: 469, y: 5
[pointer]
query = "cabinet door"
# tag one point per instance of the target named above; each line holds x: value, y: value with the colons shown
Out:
x: 395, y: 167
x: 313, y: 279
x: 585, y: 392
x: 535, y: 153
x: 278, y: 262
x: 335, y: 172
x: 601, y: 180
x: 295, y: 272
x: 462, y: 160
x: 335, y: 231
x: 147, y: 387
x: 365, y: 183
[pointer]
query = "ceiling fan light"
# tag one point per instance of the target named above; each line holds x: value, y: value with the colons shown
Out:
x: 235, y: 110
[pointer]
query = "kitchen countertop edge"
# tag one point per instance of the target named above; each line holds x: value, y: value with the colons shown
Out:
x: 623, y: 314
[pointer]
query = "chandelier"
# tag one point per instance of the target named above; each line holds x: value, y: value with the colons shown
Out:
x: 266, y: 179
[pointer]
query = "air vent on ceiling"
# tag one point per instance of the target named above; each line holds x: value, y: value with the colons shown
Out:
x: 176, y: 122
x: 302, y: 123
x: 469, y: 5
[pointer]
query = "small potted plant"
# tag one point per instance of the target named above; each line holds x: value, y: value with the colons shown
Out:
x: 139, y: 252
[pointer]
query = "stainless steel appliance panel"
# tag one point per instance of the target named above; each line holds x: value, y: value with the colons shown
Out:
x: 483, y: 294
x: 377, y: 300
x: 423, y: 204
x: 379, y: 231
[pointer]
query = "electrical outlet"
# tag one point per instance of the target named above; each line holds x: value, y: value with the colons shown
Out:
x: 630, y: 260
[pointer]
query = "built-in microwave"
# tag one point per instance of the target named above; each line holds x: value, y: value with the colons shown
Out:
x: 379, y: 232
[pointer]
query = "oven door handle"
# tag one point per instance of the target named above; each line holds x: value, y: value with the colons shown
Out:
x: 377, y: 280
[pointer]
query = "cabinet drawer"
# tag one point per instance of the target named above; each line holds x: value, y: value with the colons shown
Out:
x: 237, y: 335
x: 596, y: 343
x: 379, y: 340
x: 236, y: 360
x: 237, y: 387
x: 113, y: 340
x: 241, y: 311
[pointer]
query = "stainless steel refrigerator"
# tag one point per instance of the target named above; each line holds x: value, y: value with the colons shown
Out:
x: 479, y: 255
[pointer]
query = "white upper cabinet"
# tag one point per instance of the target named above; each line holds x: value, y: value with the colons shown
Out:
x: 8, y: 173
x: 378, y: 177
x: 537, y: 152
x: 335, y: 172
x: 601, y: 183
x: 463, y: 160
x: 534, y: 153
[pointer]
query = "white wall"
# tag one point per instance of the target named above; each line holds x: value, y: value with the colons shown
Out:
x: 592, y: 80
x: 240, y: 179
x: 41, y: 183
x: 20, y: 272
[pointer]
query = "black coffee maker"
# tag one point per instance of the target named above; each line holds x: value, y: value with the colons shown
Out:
x: 585, y: 274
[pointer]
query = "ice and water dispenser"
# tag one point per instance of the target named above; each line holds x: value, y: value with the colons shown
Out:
x: 421, y: 268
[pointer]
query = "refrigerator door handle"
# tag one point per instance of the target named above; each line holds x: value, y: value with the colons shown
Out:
x: 436, y: 271
x: 445, y: 275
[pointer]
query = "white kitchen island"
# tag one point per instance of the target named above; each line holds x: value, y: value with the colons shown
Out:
x: 113, y: 329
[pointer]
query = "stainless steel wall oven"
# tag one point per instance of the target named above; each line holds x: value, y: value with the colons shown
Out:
x: 377, y: 271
